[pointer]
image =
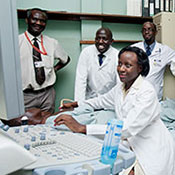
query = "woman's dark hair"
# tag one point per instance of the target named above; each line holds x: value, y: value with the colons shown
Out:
x: 141, y: 56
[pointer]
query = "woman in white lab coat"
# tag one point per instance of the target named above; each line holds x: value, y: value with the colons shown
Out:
x: 135, y: 103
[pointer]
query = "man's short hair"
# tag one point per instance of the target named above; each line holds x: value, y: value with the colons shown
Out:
x: 106, y: 29
x: 154, y: 25
x: 29, y: 12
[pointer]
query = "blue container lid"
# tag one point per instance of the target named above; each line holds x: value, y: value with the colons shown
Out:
x: 116, y: 121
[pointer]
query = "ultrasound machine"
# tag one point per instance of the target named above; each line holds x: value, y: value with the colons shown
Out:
x: 41, y: 149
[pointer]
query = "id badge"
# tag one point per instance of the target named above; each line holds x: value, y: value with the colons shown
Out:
x: 39, y: 64
x: 157, y: 62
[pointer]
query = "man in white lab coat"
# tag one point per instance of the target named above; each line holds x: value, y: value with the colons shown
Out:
x: 159, y: 56
x: 96, y: 68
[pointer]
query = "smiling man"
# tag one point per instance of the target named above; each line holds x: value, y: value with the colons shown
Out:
x: 37, y: 54
x: 159, y: 56
x: 96, y: 70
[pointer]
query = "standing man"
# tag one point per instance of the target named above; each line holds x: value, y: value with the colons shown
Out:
x: 37, y: 54
x: 96, y: 70
x: 159, y: 56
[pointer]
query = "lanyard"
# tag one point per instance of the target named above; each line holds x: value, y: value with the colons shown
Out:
x: 44, y: 51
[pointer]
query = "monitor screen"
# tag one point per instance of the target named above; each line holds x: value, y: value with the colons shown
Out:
x: 11, y: 95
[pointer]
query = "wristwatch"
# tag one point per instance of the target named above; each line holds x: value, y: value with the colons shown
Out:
x: 24, y: 120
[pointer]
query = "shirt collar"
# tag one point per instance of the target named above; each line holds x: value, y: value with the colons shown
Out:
x: 151, y: 46
x: 31, y: 37
x: 106, y: 53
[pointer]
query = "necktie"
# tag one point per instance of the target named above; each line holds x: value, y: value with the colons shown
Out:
x: 148, y: 51
x: 39, y: 71
x: 100, y: 56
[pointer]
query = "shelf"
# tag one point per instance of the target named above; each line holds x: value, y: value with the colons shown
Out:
x: 115, y: 41
x: 54, y: 15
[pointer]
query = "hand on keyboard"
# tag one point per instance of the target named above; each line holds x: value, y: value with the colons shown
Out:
x: 70, y: 122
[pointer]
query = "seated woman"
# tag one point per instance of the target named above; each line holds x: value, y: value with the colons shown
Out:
x: 135, y: 103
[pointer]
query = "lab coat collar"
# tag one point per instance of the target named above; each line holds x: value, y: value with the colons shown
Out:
x: 151, y: 46
x: 106, y: 53
x: 157, y: 49
x: 135, y: 85
x: 138, y: 82
x: 105, y: 61
x: 31, y: 37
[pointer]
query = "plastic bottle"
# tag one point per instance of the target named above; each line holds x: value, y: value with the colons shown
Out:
x: 111, y: 141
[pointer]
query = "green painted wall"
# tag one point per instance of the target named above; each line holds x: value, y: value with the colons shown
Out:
x: 69, y: 33
x: 114, y: 7
x: 54, y: 5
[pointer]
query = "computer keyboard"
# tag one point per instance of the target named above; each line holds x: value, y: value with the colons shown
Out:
x: 53, y: 147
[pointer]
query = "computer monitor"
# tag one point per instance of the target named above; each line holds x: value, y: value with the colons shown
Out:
x: 11, y: 95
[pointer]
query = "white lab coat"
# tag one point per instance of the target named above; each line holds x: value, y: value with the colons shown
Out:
x: 161, y: 56
x: 149, y: 138
x: 93, y: 79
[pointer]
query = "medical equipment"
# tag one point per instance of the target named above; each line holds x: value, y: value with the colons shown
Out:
x: 62, y: 152
x: 11, y: 94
